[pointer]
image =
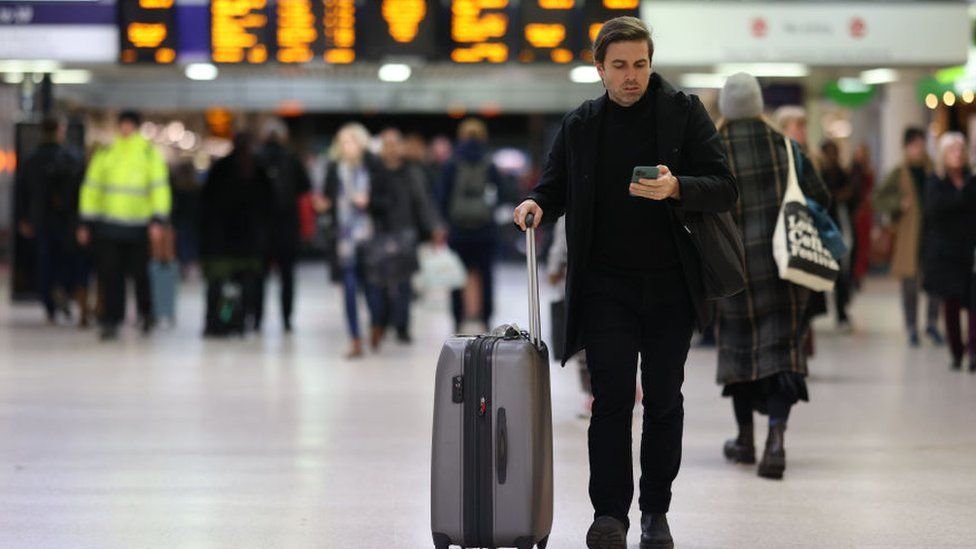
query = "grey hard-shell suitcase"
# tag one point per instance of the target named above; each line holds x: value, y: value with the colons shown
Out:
x: 491, y: 469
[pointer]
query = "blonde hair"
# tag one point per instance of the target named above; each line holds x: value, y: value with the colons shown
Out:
x: 355, y: 130
x: 947, y: 140
x: 473, y: 128
x: 788, y: 114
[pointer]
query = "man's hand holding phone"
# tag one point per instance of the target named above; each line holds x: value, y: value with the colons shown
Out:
x: 654, y: 183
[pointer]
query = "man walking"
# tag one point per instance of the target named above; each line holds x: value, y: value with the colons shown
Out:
x: 634, y: 282
x: 125, y: 200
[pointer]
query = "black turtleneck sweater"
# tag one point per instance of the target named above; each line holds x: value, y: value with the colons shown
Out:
x: 632, y: 235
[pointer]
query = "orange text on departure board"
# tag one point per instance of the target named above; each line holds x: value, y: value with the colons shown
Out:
x: 557, y: 4
x: 621, y: 4
x: 543, y: 35
x: 156, y: 4
x: 146, y: 35
x: 233, y: 32
x: 471, y: 25
x: 296, y: 31
x: 339, y: 25
x: 404, y: 17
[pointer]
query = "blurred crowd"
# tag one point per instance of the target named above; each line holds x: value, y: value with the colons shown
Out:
x: 372, y: 201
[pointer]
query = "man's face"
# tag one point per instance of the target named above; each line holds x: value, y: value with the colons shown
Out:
x: 392, y: 151
x: 797, y: 131
x: 626, y: 71
x: 127, y: 128
x: 915, y: 151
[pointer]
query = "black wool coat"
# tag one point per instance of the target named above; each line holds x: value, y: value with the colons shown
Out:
x: 950, y: 239
x: 687, y: 144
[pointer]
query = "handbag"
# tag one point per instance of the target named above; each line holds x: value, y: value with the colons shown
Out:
x: 830, y: 234
x: 798, y: 249
x: 719, y: 243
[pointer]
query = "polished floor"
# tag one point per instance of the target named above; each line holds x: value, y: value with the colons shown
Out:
x: 278, y: 442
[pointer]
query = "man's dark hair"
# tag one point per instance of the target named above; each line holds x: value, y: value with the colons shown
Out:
x: 49, y: 127
x: 621, y: 29
x: 131, y: 116
x: 911, y: 134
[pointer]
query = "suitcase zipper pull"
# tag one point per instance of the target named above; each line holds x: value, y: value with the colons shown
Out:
x: 483, y: 407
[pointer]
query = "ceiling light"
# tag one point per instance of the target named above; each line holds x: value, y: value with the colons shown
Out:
x: 201, y: 71
x: 852, y: 85
x: 968, y: 96
x: 41, y: 65
x: 949, y: 98
x: 931, y: 101
x: 703, y: 80
x: 767, y: 70
x: 13, y: 78
x: 879, y: 76
x: 395, y: 72
x: 586, y: 74
x: 71, y: 76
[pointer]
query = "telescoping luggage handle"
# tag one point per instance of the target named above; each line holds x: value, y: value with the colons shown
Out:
x: 535, y: 322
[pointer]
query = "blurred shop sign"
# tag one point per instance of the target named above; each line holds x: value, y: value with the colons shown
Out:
x: 73, y: 31
x: 816, y: 33
x: 147, y: 31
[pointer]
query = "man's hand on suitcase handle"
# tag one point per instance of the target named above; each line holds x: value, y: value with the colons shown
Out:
x: 526, y: 209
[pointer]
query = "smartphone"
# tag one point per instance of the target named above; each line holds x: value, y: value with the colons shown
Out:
x: 645, y: 172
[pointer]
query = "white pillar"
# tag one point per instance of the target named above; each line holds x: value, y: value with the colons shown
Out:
x: 900, y: 108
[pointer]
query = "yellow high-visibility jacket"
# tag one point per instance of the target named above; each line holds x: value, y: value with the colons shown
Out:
x: 126, y: 185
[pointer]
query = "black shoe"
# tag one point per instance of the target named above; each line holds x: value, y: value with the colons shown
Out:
x: 935, y: 336
x: 109, y: 333
x: 956, y: 365
x: 741, y: 449
x: 147, y: 325
x: 607, y: 533
x: 404, y: 338
x: 913, y: 340
x: 774, y: 458
x: 655, y: 533
x: 972, y: 365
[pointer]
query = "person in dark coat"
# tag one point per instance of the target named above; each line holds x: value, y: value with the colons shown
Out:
x: 346, y: 203
x: 402, y: 213
x: 844, y: 194
x: 950, y: 243
x: 289, y: 181
x: 467, y: 194
x: 234, y: 218
x: 761, y: 331
x: 51, y: 179
x: 634, y: 284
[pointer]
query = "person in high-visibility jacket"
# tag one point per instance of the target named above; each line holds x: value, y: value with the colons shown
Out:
x: 125, y: 202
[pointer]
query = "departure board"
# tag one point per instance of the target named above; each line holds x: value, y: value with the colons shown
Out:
x: 344, y: 31
x: 147, y: 31
x: 399, y: 28
x: 480, y: 31
x: 241, y: 31
x: 339, y: 26
x: 598, y: 12
x: 299, y: 38
x: 547, y: 31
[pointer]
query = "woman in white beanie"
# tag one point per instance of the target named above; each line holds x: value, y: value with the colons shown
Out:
x: 761, y: 331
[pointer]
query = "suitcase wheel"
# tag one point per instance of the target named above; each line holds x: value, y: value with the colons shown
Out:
x: 543, y: 542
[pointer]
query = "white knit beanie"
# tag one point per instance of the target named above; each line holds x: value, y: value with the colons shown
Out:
x: 741, y: 97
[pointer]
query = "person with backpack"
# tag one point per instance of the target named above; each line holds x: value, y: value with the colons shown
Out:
x: 125, y: 202
x: 235, y: 206
x: 289, y: 181
x: 467, y: 193
x: 51, y: 177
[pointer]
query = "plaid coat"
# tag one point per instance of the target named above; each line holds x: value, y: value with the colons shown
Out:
x: 761, y: 330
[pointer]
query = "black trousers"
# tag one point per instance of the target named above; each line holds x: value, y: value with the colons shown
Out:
x: 286, y: 270
x: 476, y: 256
x: 625, y: 316
x: 118, y: 260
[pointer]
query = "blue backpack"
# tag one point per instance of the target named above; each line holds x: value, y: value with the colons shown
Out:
x: 830, y: 234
